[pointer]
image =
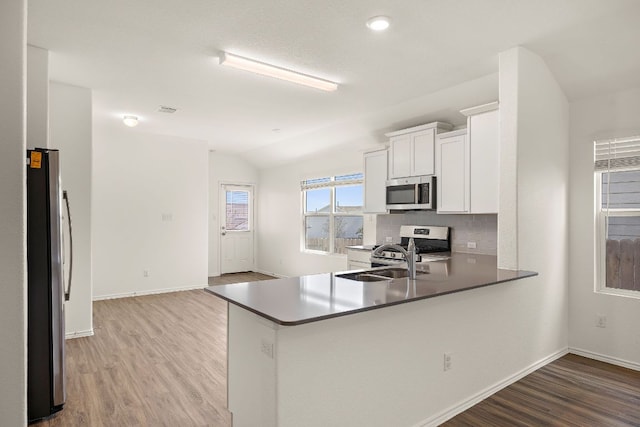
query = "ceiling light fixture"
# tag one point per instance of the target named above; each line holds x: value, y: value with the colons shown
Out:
x: 130, y: 121
x: 378, y: 23
x: 276, y: 72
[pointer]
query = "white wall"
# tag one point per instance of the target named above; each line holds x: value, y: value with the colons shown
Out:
x: 37, y: 97
x: 611, y: 115
x: 279, y: 219
x: 230, y: 169
x: 70, y: 119
x: 149, y: 212
x: 540, y: 125
x: 13, y: 281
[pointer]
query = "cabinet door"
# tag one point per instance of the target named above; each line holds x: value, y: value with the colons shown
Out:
x: 358, y: 259
x: 400, y: 161
x: 375, y: 175
x: 423, y: 152
x: 452, y: 161
x: 484, y: 141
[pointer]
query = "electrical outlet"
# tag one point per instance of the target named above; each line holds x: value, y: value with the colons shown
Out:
x: 388, y: 239
x: 146, y: 272
x: 266, y: 348
x: 471, y: 245
x: 447, y: 362
x: 601, y: 321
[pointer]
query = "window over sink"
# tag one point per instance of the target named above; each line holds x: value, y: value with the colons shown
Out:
x: 332, y: 213
x: 617, y: 181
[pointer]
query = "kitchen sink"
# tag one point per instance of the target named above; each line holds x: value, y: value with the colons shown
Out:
x: 393, y: 273
x: 363, y: 277
x: 376, y: 275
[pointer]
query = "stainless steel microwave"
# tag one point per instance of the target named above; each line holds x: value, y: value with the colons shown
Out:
x: 412, y: 193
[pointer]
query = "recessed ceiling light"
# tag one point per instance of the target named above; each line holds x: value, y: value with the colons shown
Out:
x: 130, y: 121
x: 378, y: 23
x: 269, y: 70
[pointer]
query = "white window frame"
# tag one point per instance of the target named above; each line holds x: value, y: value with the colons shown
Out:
x: 601, y: 216
x: 331, y: 185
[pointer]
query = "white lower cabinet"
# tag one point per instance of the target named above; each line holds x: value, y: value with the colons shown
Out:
x: 358, y: 259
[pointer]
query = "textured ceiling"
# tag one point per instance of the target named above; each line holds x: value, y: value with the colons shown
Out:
x: 139, y: 55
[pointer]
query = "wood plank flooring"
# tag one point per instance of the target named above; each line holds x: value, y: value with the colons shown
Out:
x: 156, y: 360
x: 572, y: 391
x: 160, y: 360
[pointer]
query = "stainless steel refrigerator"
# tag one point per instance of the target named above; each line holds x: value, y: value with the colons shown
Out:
x: 46, y: 288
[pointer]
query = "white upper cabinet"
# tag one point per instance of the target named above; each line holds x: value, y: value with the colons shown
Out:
x: 483, y: 133
x: 467, y: 164
x: 411, y: 151
x: 452, y: 170
x: 375, y: 176
x: 400, y: 157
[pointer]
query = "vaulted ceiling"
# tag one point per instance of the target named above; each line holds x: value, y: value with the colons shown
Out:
x: 138, y: 55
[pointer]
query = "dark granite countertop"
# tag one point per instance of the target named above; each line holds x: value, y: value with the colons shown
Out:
x: 297, y: 300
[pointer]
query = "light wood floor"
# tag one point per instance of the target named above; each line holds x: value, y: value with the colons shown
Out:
x: 156, y: 360
x: 160, y: 360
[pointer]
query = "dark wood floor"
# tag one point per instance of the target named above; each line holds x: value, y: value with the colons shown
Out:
x: 572, y: 391
x: 160, y: 360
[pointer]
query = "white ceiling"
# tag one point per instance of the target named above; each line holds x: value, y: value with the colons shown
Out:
x: 138, y: 55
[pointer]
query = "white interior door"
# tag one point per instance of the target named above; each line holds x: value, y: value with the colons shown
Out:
x: 236, y: 229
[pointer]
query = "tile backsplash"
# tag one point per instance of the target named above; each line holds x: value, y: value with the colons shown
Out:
x: 481, y: 229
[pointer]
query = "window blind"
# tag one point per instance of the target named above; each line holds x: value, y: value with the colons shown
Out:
x: 354, y: 178
x: 617, y: 153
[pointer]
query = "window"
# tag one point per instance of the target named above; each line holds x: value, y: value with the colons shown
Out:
x: 617, y: 169
x: 237, y: 210
x: 332, y: 213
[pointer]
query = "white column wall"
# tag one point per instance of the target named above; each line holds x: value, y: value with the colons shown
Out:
x: 540, y: 124
x: 226, y: 168
x: 37, y: 97
x: 71, y: 133
x: 149, y: 212
x: 606, y: 116
x: 13, y: 280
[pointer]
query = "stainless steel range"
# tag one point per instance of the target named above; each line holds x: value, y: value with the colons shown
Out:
x: 430, y: 241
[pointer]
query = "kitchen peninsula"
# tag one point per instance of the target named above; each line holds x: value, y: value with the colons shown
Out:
x: 330, y: 350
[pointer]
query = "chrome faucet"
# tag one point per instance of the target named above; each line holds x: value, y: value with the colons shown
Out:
x: 409, y: 255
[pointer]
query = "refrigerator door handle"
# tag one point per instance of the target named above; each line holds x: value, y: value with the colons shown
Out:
x: 67, y: 293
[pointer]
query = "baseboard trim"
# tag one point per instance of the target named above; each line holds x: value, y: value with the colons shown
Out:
x: 604, y: 358
x: 151, y: 292
x: 440, y: 418
x: 78, y: 334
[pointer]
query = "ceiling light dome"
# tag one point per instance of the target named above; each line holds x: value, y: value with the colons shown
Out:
x: 378, y: 23
x: 130, y: 121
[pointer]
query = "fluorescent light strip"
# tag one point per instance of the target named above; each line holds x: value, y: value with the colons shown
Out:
x: 276, y: 72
